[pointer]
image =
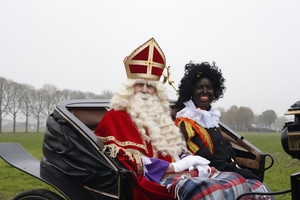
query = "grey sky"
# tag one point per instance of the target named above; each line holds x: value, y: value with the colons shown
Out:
x: 80, y: 45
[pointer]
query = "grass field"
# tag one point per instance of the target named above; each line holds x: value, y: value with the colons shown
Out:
x: 13, y: 181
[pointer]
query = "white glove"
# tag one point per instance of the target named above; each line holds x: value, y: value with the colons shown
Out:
x: 203, y: 170
x: 188, y: 162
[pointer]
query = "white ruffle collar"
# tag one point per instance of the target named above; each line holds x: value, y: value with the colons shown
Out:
x: 206, y: 119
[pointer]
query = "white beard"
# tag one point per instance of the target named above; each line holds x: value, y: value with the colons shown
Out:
x: 152, y: 114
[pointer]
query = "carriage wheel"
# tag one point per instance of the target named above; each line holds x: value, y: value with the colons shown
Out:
x: 38, y: 194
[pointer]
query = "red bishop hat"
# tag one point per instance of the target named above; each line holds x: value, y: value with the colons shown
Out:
x: 146, y: 62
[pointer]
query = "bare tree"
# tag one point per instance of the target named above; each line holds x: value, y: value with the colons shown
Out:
x: 18, y: 98
x: 280, y: 122
x: 223, y: 113
x: 37, y: 106
x: 90, y: 95
x: 268, y: 117
x: 26, y: 106
x: 65, y: 94
x: 3, y: 103
x: 58, y: 96
x: 50, y: 98
x: 245, y: 117
x: 14, y: 96
x: 230, y: 117
x: 106, y: 94
x: 77, y: 95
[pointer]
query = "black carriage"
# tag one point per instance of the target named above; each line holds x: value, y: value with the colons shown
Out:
x: 76, y: 164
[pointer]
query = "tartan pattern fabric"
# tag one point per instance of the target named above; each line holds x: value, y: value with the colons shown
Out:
x: 218, y: 186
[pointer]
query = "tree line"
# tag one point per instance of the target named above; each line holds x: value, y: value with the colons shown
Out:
x: 243, y: 119
x: 23, y: 100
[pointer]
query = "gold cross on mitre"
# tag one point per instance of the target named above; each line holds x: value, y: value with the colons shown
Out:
x: 146, y: 62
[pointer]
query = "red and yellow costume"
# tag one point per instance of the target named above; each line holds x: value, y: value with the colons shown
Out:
x: 118, y: 132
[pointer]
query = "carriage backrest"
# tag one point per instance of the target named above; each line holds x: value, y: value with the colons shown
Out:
x: 90, y: 117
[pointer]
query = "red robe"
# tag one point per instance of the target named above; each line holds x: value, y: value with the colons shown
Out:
x: 118, y: 131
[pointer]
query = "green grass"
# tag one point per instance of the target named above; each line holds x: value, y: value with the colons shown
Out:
x: 278, y: 176
x: 13, y: 181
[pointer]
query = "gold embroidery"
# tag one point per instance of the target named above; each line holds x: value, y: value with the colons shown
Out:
x: 133, y: 155
x: 123, y: 144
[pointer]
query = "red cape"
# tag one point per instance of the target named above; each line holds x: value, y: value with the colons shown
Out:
x: 118, y: 131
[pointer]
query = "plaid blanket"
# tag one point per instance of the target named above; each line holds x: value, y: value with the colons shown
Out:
x: 218, y: 186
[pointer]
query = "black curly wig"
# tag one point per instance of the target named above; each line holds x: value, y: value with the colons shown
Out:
x: 192, y: 73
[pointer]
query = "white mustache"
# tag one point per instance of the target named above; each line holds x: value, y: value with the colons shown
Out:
x: 143, y: 96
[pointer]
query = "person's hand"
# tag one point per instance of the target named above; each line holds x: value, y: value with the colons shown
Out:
x: 204, y: 170
x: 189, y: 162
